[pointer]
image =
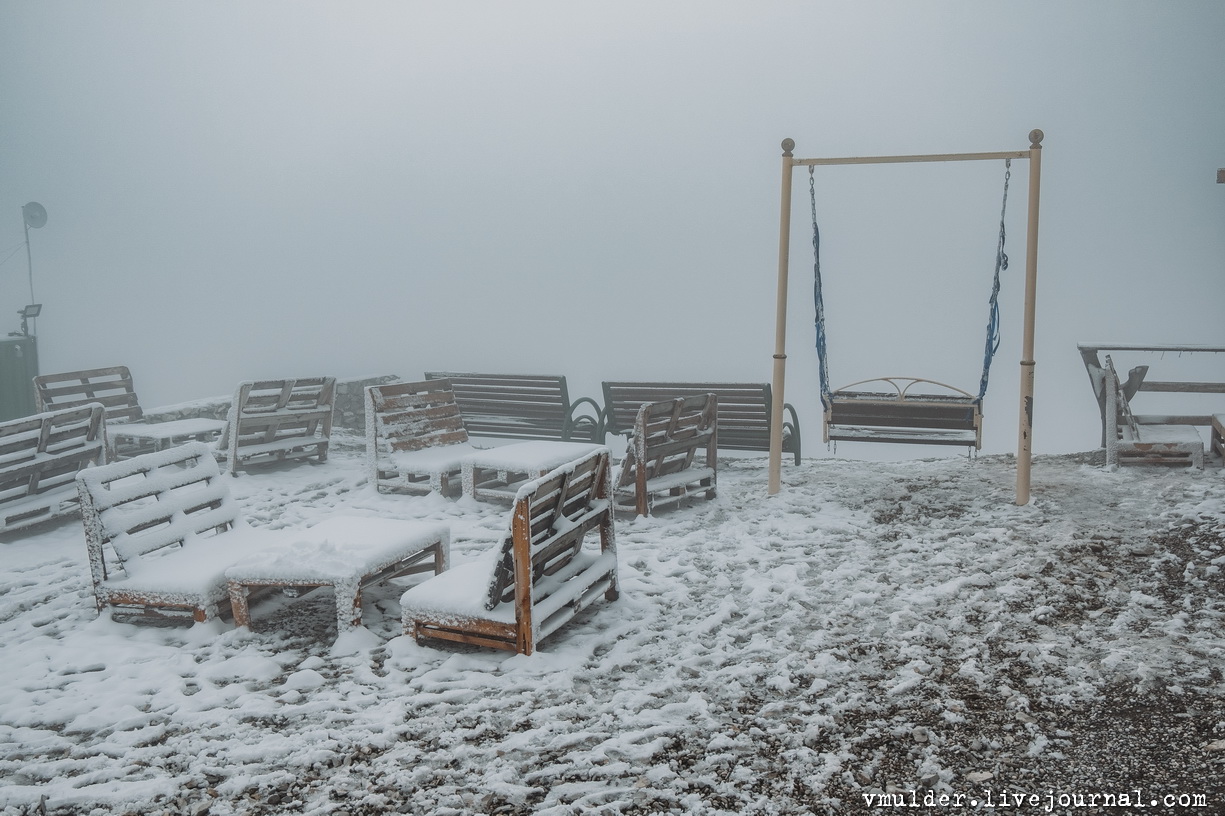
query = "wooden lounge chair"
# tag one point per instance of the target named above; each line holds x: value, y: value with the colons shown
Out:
x: 540, y: 575
x: 274, y: 420
x: 415, y: 438
x: 1129, y: 442
x: 40, y: 457
x: 129, y: 433
x: 661, y: 464
x: 162, y: 529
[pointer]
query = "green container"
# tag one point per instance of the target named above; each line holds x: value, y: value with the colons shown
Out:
x: 18, y: 368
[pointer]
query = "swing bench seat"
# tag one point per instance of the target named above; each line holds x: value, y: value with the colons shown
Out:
x: 904, y: 418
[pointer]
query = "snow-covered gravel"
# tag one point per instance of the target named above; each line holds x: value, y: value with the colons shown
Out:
x: 898, y: 629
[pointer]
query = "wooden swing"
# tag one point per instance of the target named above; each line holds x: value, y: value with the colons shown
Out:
x: 914, y: 417
x: 902, y: 416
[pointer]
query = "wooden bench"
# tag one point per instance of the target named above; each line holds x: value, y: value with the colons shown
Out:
x: 900, y: 417
x: 744, y: 411
x: 1129, y: 442
x: 415, y: 438
x: 40, y: 457
x: 1218, y: 435
x: 129, y: 434
x: 520, y: 406
x: 539, y: 576
x: 660, y: 466
x: 1137, y: 382
x: 274, y: 420
x: 162, y: 529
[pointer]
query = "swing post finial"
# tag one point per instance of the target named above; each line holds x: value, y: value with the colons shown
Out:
x: 1035, y: 139
x: 788, y: 146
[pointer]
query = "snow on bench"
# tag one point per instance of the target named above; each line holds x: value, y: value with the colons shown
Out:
x: 274, y: 420
x: 40, y: 457
x: 660, y: 465
x: 162, y: 529
x: 540, y: 575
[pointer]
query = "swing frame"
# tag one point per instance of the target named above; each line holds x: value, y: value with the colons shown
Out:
x: 1025, y: 420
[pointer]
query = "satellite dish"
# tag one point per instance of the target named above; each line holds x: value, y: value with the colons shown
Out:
x: 35, y: 214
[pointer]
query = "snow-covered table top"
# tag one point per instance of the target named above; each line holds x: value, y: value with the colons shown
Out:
x: 176, y: 428
x: 338, y: 549
x: 530, y: 459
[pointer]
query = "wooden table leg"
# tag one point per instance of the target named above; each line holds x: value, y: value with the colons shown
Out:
x: 238, y: 604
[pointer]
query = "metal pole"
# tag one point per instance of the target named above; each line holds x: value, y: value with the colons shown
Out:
x: 780, y: 324
x: 29, y: 257
x: 1026, y: 414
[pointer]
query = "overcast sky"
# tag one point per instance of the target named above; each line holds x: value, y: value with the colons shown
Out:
x: 241, y: 190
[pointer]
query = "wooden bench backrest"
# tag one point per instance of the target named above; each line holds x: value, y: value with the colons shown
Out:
x: 412, y: 416
x: 511, y: 406
x: 886, y: 410
x: 667, y: 438
x: 548, y: 521
x: 110, y: 387
x: 43, y: 453
x: 267, y: 411
x: 137, y: 506
x: 744, y: 408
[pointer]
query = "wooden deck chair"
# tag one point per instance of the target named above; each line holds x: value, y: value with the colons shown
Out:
x: 661, y: 463
x: 1129, y: 442
x: 539, y: 577
x: 40, y: 456
x: 129, y: 432
x: 415, y: 437
x: 274, y: 420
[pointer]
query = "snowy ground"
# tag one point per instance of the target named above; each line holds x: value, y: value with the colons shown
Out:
x: 875, y: 628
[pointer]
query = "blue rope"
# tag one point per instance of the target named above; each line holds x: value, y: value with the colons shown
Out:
x: 819, y: 301
x: 993, y: 314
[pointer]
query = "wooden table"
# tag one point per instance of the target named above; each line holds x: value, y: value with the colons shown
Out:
x: 497, y: 473
x: 347, y: 553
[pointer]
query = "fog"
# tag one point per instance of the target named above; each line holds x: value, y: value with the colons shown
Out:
x: 240, y: 190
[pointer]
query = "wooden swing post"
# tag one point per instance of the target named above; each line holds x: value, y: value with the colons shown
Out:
x: 780, y: 324
x: 1026, y: 419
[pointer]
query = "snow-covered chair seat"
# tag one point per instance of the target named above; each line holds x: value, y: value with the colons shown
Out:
x: 40, y: 457
x: 273, y: 420
x: 415, y: 437
x: 129, y: 432
x: 661, y: 464
x: 161, y: 529
x: 540, y: 575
